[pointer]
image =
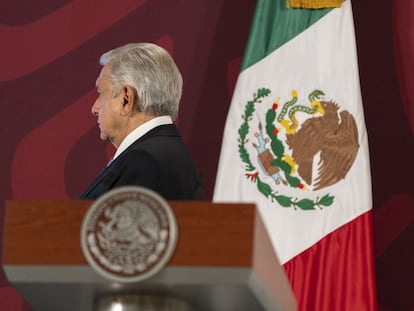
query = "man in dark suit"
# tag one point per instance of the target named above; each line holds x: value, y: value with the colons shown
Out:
x: 139, y: 92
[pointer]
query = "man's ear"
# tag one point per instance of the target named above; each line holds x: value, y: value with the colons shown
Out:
x: 128, y: 100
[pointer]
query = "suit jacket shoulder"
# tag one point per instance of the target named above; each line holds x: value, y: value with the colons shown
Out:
x: 159, y: 160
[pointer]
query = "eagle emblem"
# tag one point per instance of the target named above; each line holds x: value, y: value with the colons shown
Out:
x: 300, y: 146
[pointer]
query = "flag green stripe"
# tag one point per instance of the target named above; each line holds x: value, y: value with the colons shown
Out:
x: 273, y: 25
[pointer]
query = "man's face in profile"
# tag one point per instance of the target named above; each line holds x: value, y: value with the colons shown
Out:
x: 108, y: 108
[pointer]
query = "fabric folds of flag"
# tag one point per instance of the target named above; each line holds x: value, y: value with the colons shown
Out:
x: 295, y: 144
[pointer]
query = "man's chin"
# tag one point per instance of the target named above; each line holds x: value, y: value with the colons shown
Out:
x: 104, y: 137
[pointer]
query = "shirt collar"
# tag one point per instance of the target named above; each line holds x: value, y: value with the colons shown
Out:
x: 141, y: 131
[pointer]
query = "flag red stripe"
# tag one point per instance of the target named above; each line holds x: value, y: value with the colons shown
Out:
x: 338, y: 272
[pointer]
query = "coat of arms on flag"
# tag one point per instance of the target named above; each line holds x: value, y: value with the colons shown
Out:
x: 298, y: 144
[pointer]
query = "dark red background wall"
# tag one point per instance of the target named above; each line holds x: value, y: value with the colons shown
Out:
x: 50, y: 144
x: 385, y: 40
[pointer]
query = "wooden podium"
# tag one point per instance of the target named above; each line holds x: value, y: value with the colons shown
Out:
x: 224, y: 259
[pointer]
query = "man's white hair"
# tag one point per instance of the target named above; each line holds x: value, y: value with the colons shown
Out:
x: 151, y: 72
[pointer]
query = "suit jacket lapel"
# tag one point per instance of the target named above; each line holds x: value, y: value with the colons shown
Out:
x: 97, y: 180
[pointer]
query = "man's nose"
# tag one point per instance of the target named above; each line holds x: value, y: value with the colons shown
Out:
x: 95, y: 108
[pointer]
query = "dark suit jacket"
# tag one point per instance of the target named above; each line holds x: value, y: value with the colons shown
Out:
x: 159, y: 160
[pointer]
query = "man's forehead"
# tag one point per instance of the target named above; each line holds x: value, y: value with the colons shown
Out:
x: 102, y: 75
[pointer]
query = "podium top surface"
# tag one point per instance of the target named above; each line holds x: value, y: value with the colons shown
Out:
x: 48, y: 233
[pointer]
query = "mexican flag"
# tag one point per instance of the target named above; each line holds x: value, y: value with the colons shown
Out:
x: 295, y: 143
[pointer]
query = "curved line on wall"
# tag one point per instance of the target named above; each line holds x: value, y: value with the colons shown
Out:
x: 391, y: 219
x: 57, y: 136
x: 29, y: 47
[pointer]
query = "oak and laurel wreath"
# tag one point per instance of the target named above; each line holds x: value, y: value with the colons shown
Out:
x: 278, y: 150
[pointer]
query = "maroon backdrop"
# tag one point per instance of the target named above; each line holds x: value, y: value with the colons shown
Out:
x: 51, y: 147
x: 385, y: 49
